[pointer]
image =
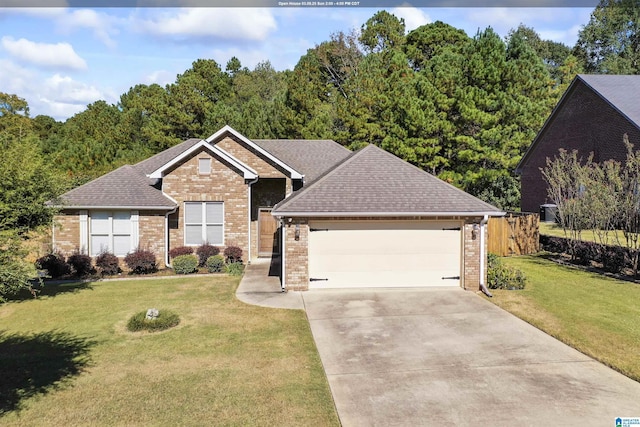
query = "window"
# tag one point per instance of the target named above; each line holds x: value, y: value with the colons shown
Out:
x: 111, y: 231
x: 203, y: 222
x: 204, y: 166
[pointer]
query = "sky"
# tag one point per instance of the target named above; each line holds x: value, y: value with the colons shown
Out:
x: 62, y: 59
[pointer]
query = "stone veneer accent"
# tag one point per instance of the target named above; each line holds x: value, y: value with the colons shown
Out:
x: 151, y: 233
x: 297, y: 254
x: 223, y: 184
x: 66, y: 234
x: 66, y: 231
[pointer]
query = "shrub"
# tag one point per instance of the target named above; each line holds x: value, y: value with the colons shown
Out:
x: 81, y: 264
x: 235, y: 268
x: 108, y: 263
x: 141, y: 261
x: 205, y: 252
x: 613, y: 259
x: 215, y: 264
x: 233, y: 254
x: 500, y: 276
x: 185, y: 264
x: 55, y: 265
x: 181, y: 250
x: 584, y: 252
x: 556, y: 245
x: 166, y: 319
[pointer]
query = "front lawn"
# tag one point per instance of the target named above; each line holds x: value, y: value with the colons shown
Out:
x: 68, y: 359
x: 597, y: 315
x: 554, y: 230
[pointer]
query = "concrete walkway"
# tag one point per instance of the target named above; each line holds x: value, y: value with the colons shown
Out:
x: 260, y: 286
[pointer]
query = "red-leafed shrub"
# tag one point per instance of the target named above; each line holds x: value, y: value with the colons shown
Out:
x: 81, y: 264
x: 141, y: 261
x: 55, y: 265
x: 181, y: 250
x: 206, y: 251
x: 232, y: 254
x: 108, y: 263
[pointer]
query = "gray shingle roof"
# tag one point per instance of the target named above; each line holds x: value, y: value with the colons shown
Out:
x: 124, y: 187
x: 310, y: 157
x: 154, y: 162
x: 622, y: 92
x: 372, y: 181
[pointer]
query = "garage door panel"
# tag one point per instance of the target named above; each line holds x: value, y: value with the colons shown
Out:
x: 383, y: 253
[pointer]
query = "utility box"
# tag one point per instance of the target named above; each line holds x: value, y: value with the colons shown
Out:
x: 549, y: 213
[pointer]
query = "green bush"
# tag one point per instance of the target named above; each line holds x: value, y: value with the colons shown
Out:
x: 235, y: 268
x: 166, y: 319
x: 500, y: 276
x: 205, y: 252
x: 215, y: 264
x: 141, y: 261
x: 185, y: 264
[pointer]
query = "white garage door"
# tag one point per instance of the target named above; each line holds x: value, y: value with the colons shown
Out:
x: 384, y: 254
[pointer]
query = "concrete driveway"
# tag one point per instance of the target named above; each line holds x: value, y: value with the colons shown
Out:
x: 447, y: 357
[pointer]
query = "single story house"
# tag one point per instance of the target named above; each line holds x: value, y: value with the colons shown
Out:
x: 592, y: 117
x: 338, y: 218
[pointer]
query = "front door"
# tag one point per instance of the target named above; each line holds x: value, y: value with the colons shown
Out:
x: 268, y: 241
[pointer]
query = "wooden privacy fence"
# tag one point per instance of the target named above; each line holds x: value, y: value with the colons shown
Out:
x: 514, y: 234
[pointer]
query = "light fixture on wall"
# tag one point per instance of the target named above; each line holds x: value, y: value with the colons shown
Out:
x: 296, y: 235
x: 474, y: 231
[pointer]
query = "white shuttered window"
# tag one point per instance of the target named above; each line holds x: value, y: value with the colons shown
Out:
x: 203, y: 222
x: 112, y: 231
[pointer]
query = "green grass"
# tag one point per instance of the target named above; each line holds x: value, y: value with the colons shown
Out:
x: 67, y: 359
x: 551, y: 229
x: 598, y: 316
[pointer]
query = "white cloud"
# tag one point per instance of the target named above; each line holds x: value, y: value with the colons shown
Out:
x: 221, y: 23
x: 65, y: 89
x: 102, y: 25
x: 161, y: 77
x: 47, y: 55
x: 413, y: 17
x: 57, y: 96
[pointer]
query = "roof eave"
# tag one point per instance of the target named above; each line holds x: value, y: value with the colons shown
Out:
x: 385, y: 214
x: 144, y: 208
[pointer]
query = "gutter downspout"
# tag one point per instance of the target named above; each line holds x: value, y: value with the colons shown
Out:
x: 283, y: 233
x: 166, y: 237
x: 250, y: 183
x: 483, y: 287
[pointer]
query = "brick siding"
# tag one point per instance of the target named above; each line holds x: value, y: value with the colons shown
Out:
x: 66, y: 232
x: 584, y: 122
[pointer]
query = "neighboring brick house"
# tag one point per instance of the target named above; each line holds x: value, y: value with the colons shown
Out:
x: 384, y: 222
x: 593, y: 115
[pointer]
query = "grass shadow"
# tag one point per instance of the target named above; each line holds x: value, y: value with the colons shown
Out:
x: 51, y: 289
x: 38, y: 363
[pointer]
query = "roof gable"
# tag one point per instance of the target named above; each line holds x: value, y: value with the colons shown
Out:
x: 619, y: 91
x: 228, y: 130
x: 247, y: 172
x: 373, y: 182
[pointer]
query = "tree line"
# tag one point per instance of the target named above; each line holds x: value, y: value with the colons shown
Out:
x: 464, y: 108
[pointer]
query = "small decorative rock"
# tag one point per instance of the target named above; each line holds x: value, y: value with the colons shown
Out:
x: 152, y: 314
